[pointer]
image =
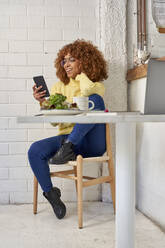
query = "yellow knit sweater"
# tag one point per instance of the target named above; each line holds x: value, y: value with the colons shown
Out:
x: 80, y: 86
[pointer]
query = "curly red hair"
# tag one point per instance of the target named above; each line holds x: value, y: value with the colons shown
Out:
x: 92, y: 61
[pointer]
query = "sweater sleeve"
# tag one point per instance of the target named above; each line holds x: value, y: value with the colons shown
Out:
x: 87, y: 87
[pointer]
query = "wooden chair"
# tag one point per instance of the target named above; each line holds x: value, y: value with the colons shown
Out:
x: 76, y: 174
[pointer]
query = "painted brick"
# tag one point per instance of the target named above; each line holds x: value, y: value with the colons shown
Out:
x: 4, y: 148
x: 97, y: 11
x: 73, y: 34
x: 70, y: 196
x: 36, y: 10
x: 4, y: 21
x: 47, y: 34
x: 13, y: 124
x: 19, y: 197
x: 68, y: 185
x: 4, y: 198
x: 17, y: 10
x: 27, y: 21
x: 12, y: 59
x: 18, y: 147
x: 30, y: 183
x: 4, y: 1
x: 53, y: 47
x: 13, y: 135
x: 92, y: 194
x: 13, y: 34
x: 4, y: 173
x: 36, y: 34
x: 25, y: 46
x: 49, y: 71
x: 86, y: 3
x: 30, y: 83
x: 13, y: 186
x: 21, y: 97
x: 4, y: 98
x: 27, y: 2
x: 12, y: 84
x: 52, y: 34
x: 61, y: 22
x: 55, y: 181
x: 52, y: 2
x: 14, y: 161
x: 3, y: 71
x: 24, y: 72
x: 77, y: 10
x: 88, y: 195
x: 33, y: 109
x: 34, y: 135
x: 24, y: 197
x: 90, y: 22
x: 6, y: 9
x: 21, y: 172
x: 18, y: 21
x: 106, y: 193
x: 54, y: 10
x: 41, y: 59
x: 4, y: 123
x: 3, y: 45
x: 12, y: 110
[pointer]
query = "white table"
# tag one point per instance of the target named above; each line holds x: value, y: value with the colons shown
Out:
x: 125, y: 163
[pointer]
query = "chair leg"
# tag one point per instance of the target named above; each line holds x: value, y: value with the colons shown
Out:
x: 110, y: 164
x: 75, y: 173
x: 79, y: 190
x: 112, y: 183
x: 35, y: 195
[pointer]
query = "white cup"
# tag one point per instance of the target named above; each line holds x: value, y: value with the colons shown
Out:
x: 83, y: 102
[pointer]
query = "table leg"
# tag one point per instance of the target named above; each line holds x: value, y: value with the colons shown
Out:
x: 125, y: 184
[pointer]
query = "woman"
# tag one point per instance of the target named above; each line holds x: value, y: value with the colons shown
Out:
x: 79, y: 66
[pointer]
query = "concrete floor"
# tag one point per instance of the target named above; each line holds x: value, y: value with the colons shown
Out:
x: 19, y: 228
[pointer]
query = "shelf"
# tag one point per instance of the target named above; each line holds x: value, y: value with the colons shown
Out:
x: 161, y: 30
x: 139, y: 71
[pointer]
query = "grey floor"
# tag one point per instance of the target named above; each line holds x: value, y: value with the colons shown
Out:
x: 19, y: 228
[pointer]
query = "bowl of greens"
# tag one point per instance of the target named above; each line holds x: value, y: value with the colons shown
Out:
x: 57, y: 101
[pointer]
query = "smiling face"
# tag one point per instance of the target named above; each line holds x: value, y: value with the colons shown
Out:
x: 72, y: 66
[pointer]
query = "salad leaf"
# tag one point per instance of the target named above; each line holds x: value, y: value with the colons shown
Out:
x: 56, y: 101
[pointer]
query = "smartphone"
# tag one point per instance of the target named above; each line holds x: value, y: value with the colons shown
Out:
x: 39, y: 80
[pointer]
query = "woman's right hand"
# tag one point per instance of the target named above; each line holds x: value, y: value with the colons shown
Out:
x: 39, y: 96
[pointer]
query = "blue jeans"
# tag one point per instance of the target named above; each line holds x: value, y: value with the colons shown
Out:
x: 88, y: 140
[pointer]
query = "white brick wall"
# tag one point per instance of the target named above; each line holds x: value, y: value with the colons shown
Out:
x: 31, y: 33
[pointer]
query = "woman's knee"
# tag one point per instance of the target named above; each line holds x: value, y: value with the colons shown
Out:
x: 98, y: 101
x: 34, y: 149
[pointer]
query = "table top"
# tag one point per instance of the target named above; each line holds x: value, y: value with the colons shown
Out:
x: 93, y: 118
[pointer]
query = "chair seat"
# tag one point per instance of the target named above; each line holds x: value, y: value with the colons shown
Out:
x: 88, y: 160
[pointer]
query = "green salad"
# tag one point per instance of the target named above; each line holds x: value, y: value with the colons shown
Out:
x: 56, y: 101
